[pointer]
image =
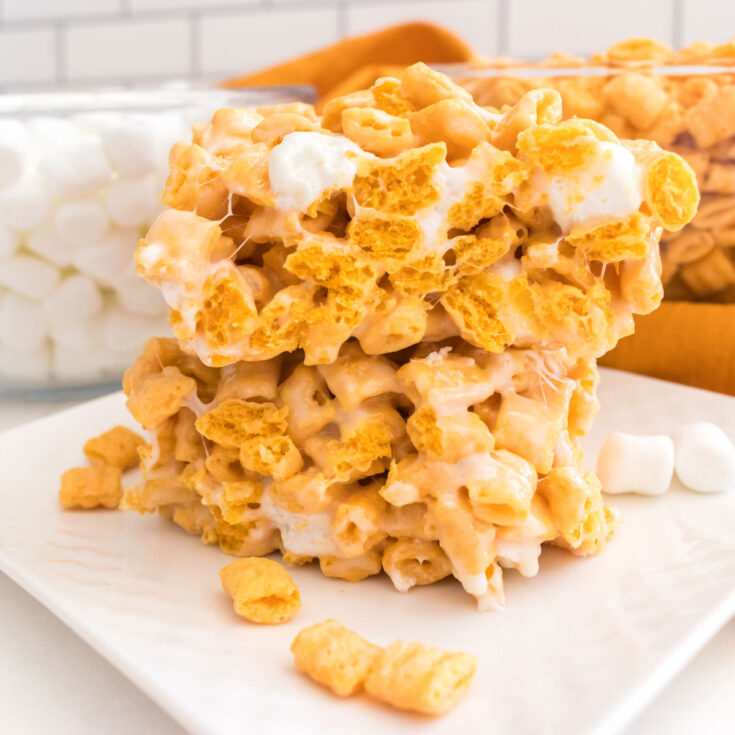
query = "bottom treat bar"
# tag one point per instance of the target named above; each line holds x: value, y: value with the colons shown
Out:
x: 440, y: 459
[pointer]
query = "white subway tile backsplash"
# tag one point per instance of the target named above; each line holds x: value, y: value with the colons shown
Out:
x: 233, y: 44
x: 474, y: 20
x: 27, y: 56
x: 128, y: 49
x: 45, y: 42
x: 708, y: 20
x: 25, y: 10
x: 539, y: 27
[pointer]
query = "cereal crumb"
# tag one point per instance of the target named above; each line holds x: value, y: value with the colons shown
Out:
x: 334, y: 656
x: 91, y: 487
x: 261, y: 589
x: 117, y: 447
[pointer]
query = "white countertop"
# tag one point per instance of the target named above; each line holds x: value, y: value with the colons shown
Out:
x: 53, y: 682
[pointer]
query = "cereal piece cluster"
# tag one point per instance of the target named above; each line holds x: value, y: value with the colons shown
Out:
x: 407, y: 209
x: 442, y: 460
x: 406, y: 675
x: 386, y: 324
x: 110, y: 454
x: 689, y: 112
x: 261, y: 589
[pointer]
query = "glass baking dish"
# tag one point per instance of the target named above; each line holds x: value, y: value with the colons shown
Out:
x: 687, y: 107
x: 81, y: 179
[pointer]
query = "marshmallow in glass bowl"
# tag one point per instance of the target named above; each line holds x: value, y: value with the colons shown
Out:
x: 81, y: 179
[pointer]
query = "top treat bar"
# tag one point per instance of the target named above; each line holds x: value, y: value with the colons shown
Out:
x: 408, y: 213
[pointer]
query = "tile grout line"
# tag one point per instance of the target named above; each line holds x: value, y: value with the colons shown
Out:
x: 678, y: 24
x: 502, y: 27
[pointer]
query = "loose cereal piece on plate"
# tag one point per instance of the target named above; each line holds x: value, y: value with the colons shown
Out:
x: 423, y: 678
x: 261, y: 589
x: 91, y: 487
x: 117, y: 447
x: 334, y: 656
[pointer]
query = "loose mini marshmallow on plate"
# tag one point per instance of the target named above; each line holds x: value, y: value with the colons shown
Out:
x: 48, y: 244
x: 13, y: 151
x: 24, y: 205
x: 112, y: 258
x: 705, y: 458
x: 636, y: 464
x: 76, y: 298
x: 131, y: 146
x: 25, y: 366
x: 133, y: 202
x: 8, y: 242
x: 77, y: 168
x: 81, y: 224
x: 22, y: 323
x: 29, y: 276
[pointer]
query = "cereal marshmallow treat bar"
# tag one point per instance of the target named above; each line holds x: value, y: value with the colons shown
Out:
x: 387, y: 320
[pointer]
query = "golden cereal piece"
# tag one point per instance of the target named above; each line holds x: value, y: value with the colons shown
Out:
x: 637, y: 97
x: 262, y: 591
x: 615, y: 240
x: 357, y: 523
x: 712, y: 119
x: 473, y: 303
x: 422, y: 86
x: 334, y: 656
x: 505, y: 497
x: 536, y: 107
x: 160, y: 396
x: 410, y: 562
x: 671, y: 191
x: 418, y: 677
x: 247, y: 174
x: 91, y: 487
x: 258, y: 430
x: 377, y: 132
x: 333, y: 109
x: 474, y: 253
x: 639, y: 49
x: 117, y: 447
x: 400, y: 185
x: 388, y: 237
x: 276, y: 126
x: 352, y: 570
x: 388, y: 97
x: 455, y: 122
x: 448, y: 437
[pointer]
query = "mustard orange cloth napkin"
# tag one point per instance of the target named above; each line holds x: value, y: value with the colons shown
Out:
x: 685, y: 342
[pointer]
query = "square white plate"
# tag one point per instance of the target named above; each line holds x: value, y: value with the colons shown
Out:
x: 581, y: 648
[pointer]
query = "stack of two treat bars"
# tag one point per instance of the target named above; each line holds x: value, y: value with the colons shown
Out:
x: 387, y: 319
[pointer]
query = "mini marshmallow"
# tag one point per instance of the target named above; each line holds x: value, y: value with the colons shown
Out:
x: 46, y: 134
x: 76, y: 298
x: 80, y: 334
x: 125, y: 331
x: 25, y: 367
x: 50, y: 246
x: 29, y: 276
x: 24, y: 205
x: 636, y: 464
x: 77, y: 168
x: 111, y: 259
x: 135, y: 295
x: 81, y: 224
x: 73, y: 365
x: 705, y: 458
x: 8, y: 242
x: 132, y: 202
x: 13, y: 151
x: 22, y: 323
x: 131, y: 146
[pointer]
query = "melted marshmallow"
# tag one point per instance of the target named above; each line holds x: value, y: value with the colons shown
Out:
x: 301, y: 533
x: 609, y: 187
x: 304, y: 165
